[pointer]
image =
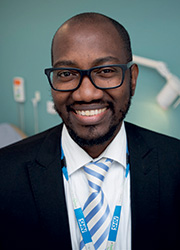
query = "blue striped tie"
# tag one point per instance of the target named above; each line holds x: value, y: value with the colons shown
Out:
x: 96, y: 210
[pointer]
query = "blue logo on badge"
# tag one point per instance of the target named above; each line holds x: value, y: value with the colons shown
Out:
x: 114, y: 225
x: 82, y: 225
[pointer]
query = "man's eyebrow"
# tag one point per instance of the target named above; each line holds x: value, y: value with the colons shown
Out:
x: 107, y: 59
x: 64, y: 63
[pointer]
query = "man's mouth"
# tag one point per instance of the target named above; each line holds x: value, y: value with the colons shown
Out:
x: 91, y: 112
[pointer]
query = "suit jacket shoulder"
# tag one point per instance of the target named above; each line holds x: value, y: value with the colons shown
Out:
x: 31, y: 144
x: 168, y: 147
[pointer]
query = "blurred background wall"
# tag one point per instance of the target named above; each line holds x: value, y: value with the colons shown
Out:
x: 26, y: 31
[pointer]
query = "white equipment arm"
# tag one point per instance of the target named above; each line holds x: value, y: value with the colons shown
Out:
x: 172, y: 88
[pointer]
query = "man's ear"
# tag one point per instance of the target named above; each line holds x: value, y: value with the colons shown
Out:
x: 134, y: 76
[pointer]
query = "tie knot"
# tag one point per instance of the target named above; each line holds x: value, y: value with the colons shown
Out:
x: 95, y: 172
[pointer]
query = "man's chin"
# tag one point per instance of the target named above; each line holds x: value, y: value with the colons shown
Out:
x: 94, y: 140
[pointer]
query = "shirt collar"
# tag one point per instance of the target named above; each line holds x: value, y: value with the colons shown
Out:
x: 76, y: 157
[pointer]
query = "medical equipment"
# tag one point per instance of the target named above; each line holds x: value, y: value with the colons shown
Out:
x: 35, y: 101
x: 19, y: 97
x: 171, y: 90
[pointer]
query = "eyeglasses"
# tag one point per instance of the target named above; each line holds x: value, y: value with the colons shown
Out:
x: 102, y: 77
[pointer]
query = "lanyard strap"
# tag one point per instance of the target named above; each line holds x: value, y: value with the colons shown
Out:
x: 80, y: 216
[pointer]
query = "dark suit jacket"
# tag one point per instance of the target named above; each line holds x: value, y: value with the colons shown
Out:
x: 32, y: 204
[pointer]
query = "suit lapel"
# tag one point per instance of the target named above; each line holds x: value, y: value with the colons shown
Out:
x: 144, y: 189
x: 48, y: 189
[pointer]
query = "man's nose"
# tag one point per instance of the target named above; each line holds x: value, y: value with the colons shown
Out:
x: 87, y: 92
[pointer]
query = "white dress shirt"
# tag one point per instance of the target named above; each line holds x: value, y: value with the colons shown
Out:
x: 76, y: 157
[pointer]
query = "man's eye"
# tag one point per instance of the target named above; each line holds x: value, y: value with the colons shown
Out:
x: 107, y: 71
x: 64, y: 74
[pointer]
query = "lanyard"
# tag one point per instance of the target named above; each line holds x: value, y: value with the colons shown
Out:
x: 79, y: 212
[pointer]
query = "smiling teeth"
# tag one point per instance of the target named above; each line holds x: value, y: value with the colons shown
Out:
x: 90, y: 112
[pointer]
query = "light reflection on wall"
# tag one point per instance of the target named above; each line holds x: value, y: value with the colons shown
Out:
x: 150, y: 116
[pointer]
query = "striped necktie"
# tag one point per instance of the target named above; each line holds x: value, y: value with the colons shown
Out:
x: 96, y: 210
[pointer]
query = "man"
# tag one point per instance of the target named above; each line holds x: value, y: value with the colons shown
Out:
x: 45, y: 177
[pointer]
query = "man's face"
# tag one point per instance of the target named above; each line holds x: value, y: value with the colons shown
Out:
x: 92, y: 116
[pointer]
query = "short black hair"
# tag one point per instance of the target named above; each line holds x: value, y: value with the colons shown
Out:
x: 92, y: 17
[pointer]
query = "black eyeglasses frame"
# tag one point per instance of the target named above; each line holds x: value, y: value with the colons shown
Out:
x: 87, y: 73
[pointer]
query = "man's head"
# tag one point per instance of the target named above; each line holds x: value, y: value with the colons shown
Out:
x: 95, y: 18
x: 93, y: 116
